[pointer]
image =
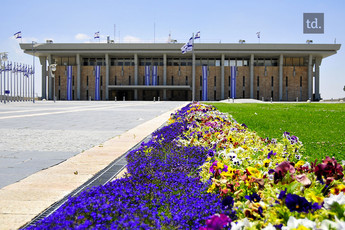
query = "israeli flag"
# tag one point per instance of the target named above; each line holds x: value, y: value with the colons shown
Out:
x: 197, y: 35
x: 69, y: 82
x: 184, y: 48
x: 96, y: 35
x: 25, y: 70
x: 258, y: 34
x: 154, y: 75
x: 233, y: 81
x: 204, y: 83
x: 18, y: 34
x: 97, y: 82
x: 190, y: 44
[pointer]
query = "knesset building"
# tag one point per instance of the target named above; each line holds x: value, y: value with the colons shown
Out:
x: 144, y: 71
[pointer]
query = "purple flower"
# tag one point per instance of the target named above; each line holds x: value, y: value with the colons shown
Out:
x: 253, y: 198
x: 216, y: 222
x: 278, y: 226
x: 299, y: 204
x: 227, y: 203
x: 282, y: 194
x: 270, y: 154
x: 213, y: 166
x: 244, y: 125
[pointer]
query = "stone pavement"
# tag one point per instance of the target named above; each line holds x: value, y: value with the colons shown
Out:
x: 40, y: 144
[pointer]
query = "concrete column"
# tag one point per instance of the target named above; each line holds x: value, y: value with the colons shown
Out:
x: 310, y: 77
x: 251, y: 70
x: 193, y: 77
x: 78, y: 76
x: 281, y: 62
x: 50, y: 80
x: 164, y: 76
x: 107, y: 68
x: 317, y: 78
x: 222, y: 78
x: 135, y: 75
x: 43, y: 61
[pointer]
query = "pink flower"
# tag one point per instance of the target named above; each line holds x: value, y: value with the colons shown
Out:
x: 282, y: 169
x: 303, y: 179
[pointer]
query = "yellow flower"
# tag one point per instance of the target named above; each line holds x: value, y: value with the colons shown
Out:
x: 211, y: 188
x: 301, y: 227
x: 254, y: 172
x: 220, y: 165
x: 267, y: 162
x: 299, y: 164
x: 311, y: 196
x: 337, y: 189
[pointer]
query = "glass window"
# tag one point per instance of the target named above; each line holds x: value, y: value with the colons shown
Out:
x: 204, y: 62
x: 258, y: 81
x: 211, y: 62
x: 286, y: 81
x: 217, y: 62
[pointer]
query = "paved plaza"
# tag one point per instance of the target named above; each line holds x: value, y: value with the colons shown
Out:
x: 37, y: 136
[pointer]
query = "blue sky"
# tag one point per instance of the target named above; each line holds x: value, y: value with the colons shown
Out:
x: 228, y: 21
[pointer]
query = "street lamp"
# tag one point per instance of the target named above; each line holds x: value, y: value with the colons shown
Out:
x: 4, y: 58
x: 34, y: 44
x: 52, y: 69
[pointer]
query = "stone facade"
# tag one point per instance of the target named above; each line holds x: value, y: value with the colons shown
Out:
x: 278, y: 72
x: 265, y: 85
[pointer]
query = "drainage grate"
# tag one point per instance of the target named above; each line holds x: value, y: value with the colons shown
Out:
x: 100, y: 178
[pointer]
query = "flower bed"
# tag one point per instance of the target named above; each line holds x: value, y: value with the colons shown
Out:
x: 204, y: 170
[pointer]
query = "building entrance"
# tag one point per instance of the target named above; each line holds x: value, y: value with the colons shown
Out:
x: 128, y: 95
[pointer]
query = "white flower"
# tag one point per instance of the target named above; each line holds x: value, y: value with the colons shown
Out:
x: 269, y: 227
x: 222, y: 153
x: 236, y: 162
x: 307, y: 164
x: 241, y: 224
x: 293, y: 223
x: 338, y: 225
x: 340, y: 199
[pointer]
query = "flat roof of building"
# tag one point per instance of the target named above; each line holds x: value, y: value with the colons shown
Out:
x: 174, y: 49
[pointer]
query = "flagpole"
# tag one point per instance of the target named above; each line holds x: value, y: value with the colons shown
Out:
x: 193, y: 70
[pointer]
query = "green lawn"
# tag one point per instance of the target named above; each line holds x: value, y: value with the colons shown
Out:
x: 319, y: 126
